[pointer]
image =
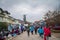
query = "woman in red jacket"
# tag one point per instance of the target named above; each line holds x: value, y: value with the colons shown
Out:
x: 47, y: 33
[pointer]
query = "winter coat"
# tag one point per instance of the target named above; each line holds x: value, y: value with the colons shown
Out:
x: 46, y: 31
x: 32, y: 28
x: 40, y: 30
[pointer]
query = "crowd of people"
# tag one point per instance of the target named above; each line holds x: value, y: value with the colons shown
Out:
x: 12, y: 31
x: 43, y: 31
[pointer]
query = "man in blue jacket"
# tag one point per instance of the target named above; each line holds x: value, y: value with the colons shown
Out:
x: 32, y: 29
x: 40, y: 31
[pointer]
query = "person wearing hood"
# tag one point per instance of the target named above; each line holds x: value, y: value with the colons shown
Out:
x: 47, y: 33
x: 40, y: 31
x: 32, y: 29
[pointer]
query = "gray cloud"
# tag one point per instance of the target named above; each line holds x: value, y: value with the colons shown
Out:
x: 34, y: 9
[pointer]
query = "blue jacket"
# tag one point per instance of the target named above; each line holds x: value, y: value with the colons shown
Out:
x: 10, y: 28
x: 40, y: 30
x: 32, y: 28
x: 21, y: 27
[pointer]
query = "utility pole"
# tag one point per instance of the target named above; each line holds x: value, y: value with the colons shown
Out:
x: 24, y: 19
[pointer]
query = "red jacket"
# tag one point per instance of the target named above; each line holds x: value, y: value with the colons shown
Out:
x: 46, y: 31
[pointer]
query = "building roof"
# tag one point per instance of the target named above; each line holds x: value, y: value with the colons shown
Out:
x: 6, y: 12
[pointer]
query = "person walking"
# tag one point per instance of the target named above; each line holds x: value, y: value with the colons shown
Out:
x: 36, y: 29
x: 28, y: 30
x: 32, y: 29
x: 47, y: 33
x: 22, y: 28
x: 41, y: 32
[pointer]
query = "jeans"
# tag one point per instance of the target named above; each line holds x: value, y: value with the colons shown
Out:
x: 41, y: 35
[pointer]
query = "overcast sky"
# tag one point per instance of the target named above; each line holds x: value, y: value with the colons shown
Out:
x: 34, y: 9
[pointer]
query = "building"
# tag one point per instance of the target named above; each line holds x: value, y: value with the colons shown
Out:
x: 5, y: 17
